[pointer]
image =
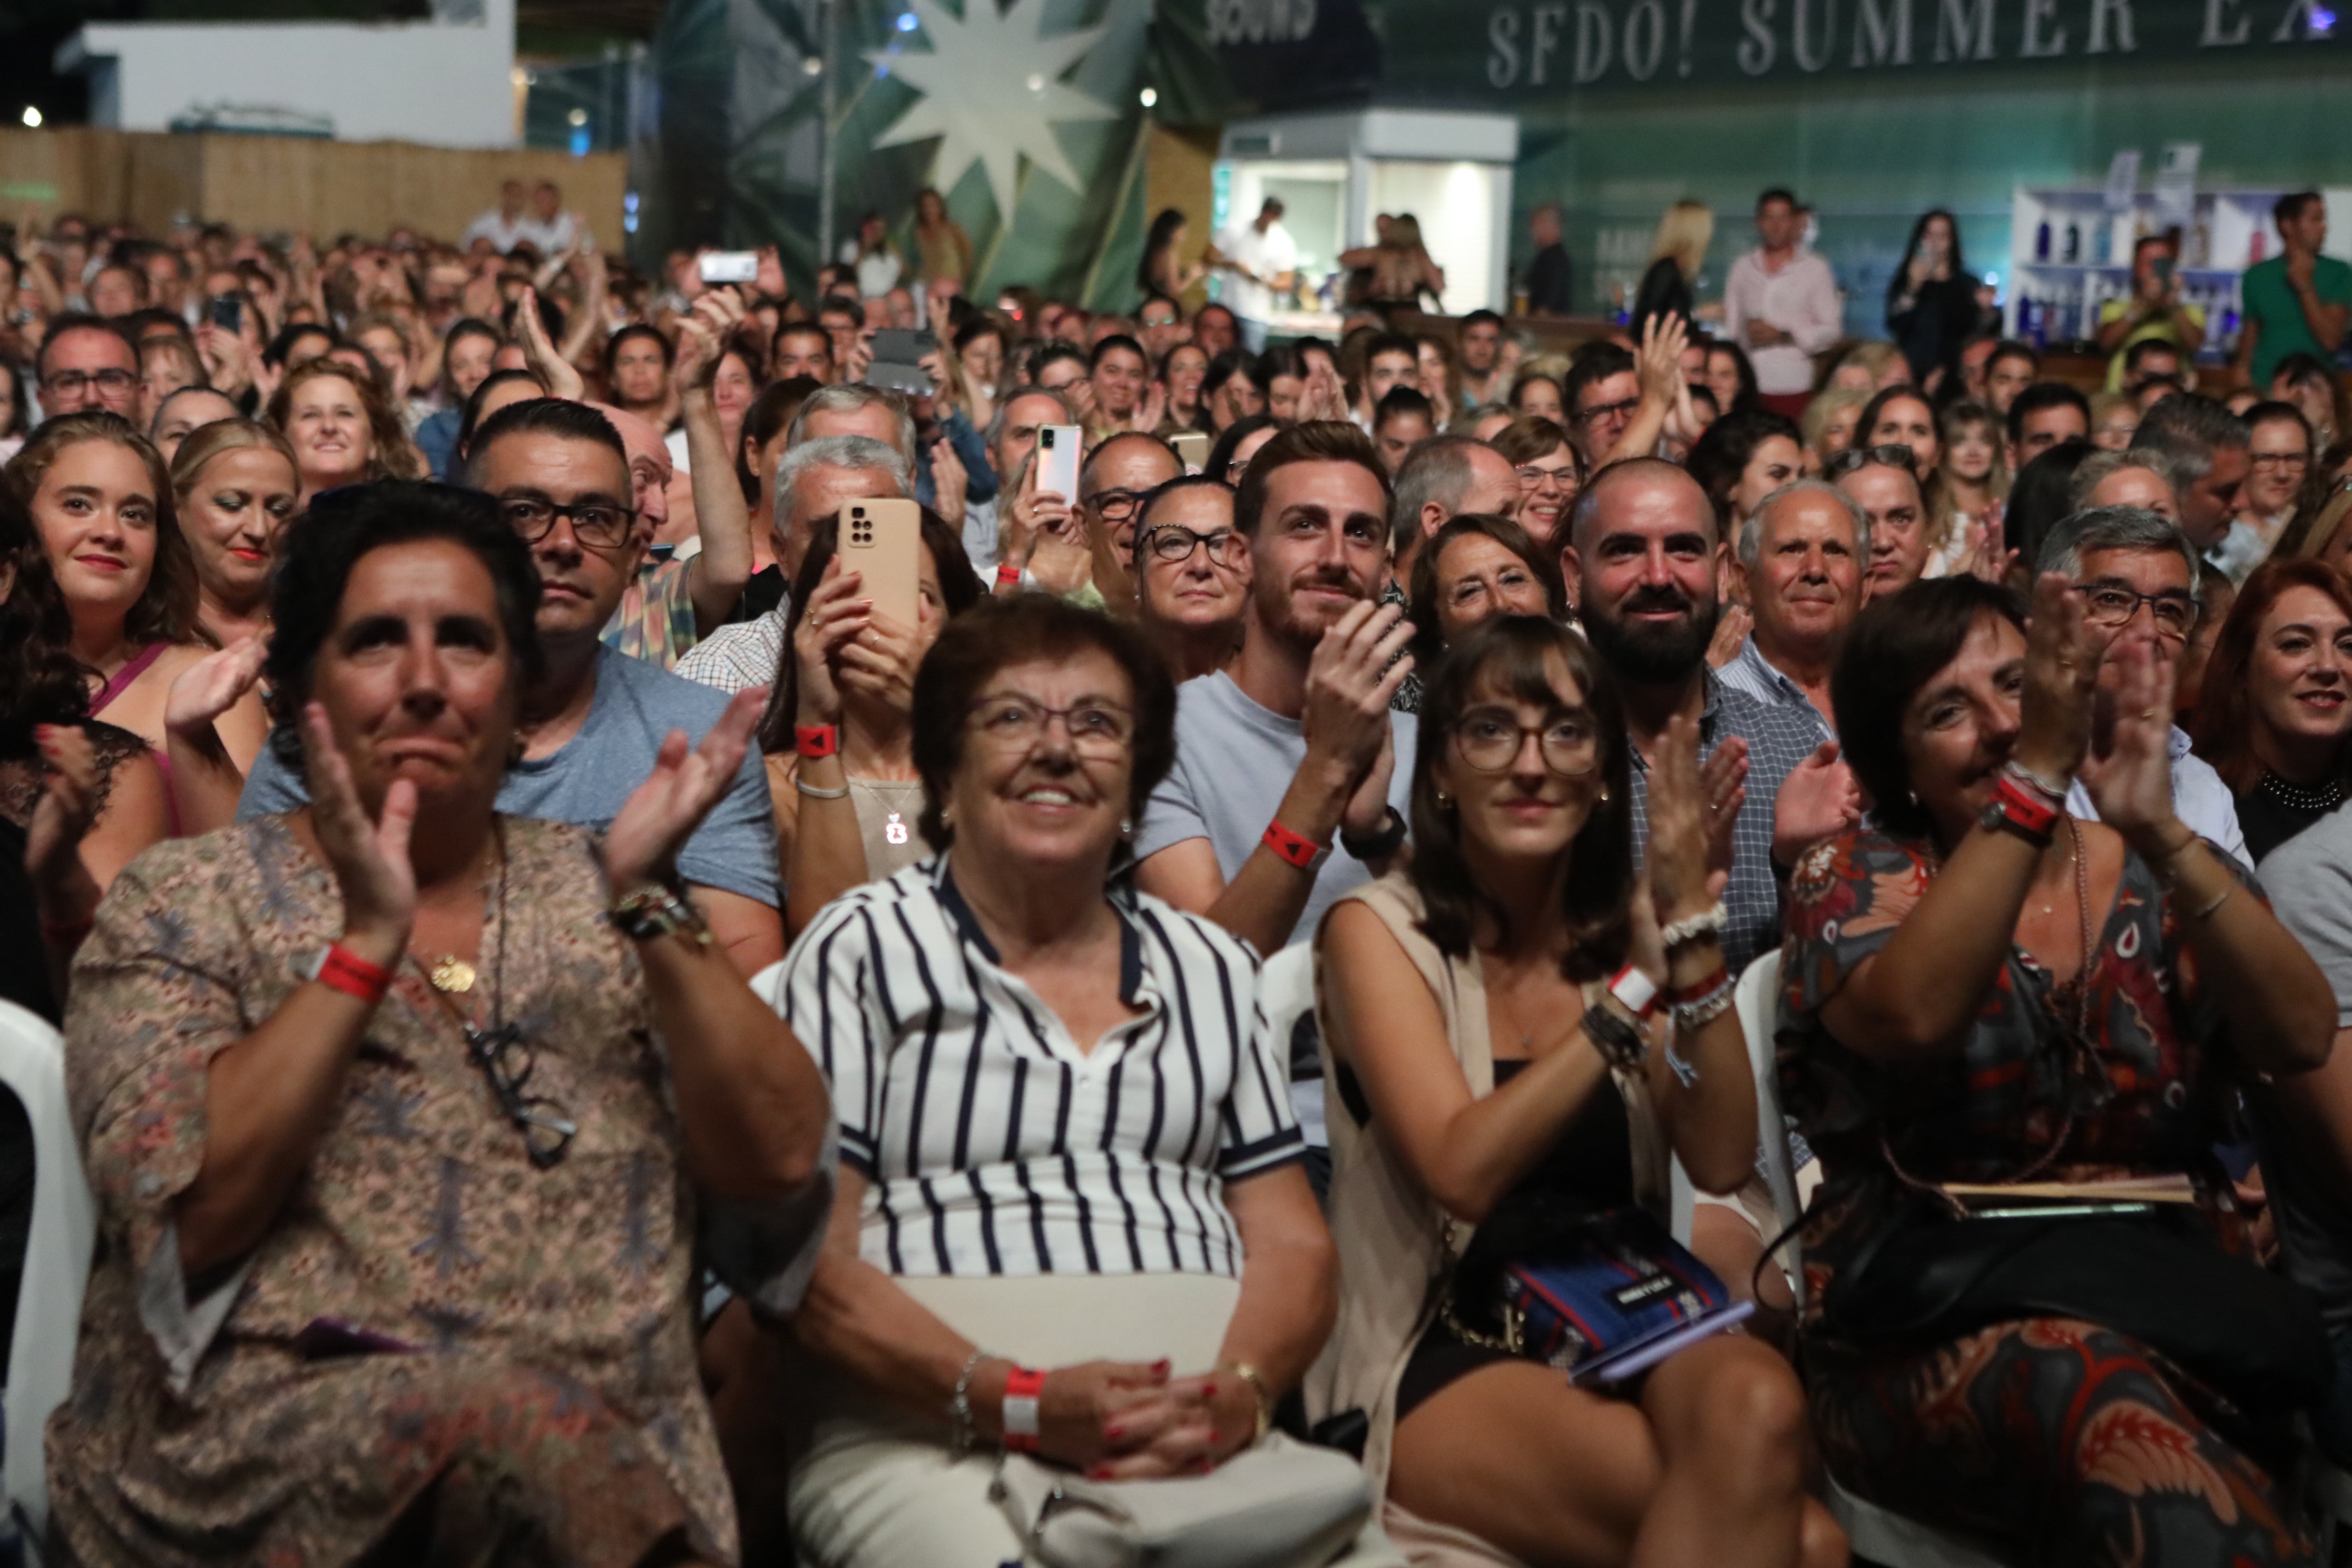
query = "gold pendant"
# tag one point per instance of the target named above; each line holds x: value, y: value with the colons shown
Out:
x: 451, y: 973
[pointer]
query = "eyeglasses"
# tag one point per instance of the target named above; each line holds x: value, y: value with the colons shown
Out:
x: 1172, y: 543
x: 1014, y: 724
x: 547, y: 1127
x: 1604, y: 410
x: 1489, y: 740
x: 2110, y: 604
x: 74, y: 383
x: 598, y: 524
x: 1236, y: 469
x: 1562, y: 478
x: 1886, y: 454
x: 2281, y: 460
x: 1116, y: 506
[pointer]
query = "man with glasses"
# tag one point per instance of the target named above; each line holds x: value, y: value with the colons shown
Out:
x: 1603, y: 391
x: 1881, y: 482
x: 1192, y: 574
x: 85, y: 364
x: 594, y: 720
x: 1118, y: 475
x: 2137, y: 572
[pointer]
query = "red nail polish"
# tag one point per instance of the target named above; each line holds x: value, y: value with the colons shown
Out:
x: 1114, y: 1433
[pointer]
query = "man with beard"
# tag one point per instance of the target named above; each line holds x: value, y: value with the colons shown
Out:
x: 1799, y: 557
x: 593, y: 718
x: 1294, y: 742
x: 1642, y: 568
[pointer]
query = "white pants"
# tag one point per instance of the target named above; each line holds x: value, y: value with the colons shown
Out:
x: 878, y: 1490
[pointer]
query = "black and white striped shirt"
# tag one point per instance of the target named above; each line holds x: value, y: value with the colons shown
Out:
x: 993, y: 1144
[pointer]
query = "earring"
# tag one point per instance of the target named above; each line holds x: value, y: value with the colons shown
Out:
x: 1444, y: 801
x: 1604, y: 793
x: 1126, y: 827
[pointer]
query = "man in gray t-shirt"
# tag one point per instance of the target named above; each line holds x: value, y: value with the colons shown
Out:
x: 634, y: 706
x: 561, y: 475
x: 2302, y: 1122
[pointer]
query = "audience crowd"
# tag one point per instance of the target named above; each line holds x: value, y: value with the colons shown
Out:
x: 604, y: 1029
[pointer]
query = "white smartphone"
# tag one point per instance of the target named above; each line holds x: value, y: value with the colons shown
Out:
x: 729, y: 266
x: 1060, y: 449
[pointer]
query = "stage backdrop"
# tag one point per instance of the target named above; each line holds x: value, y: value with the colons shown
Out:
x: 1870, y: 110
x: 1025, y: 115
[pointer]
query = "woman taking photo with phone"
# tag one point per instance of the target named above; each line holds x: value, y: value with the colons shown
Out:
x: 1488, y: 1073
x: 1931, y: 302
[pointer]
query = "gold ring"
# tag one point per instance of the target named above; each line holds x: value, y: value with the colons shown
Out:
x: 2150, y: 713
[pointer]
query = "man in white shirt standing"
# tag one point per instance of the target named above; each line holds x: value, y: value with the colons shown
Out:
x: 1259, y: 260
x: 1781, y: 303
x: 504, y: 226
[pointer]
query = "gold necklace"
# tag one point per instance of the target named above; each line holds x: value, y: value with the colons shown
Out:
x: 450, y: 974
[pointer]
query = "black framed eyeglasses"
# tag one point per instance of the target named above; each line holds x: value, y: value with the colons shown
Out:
x: 73, y: 383
x: 1886, y: 454
x: 1116, y: 506
x: 1489, y: 740
x: 507, y: 1061
x: 598, y: 524
x: 1171, y: 543
x: 2113, y: 605
x: 1604, y: 410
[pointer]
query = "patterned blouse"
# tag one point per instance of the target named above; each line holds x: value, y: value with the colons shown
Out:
x: 529, y: 1324
x: 2150, y: 1104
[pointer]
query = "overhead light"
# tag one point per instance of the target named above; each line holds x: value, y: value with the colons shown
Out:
x: 579, y: 117
x: 812, y: 66
x: 32, y: 117
x: 906, y: 21
x: 1149, y: 95
x: 1036, y: 82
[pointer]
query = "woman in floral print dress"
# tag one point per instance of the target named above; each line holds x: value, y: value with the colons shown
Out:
x: 406, y: 1279
x: 1935, y: 974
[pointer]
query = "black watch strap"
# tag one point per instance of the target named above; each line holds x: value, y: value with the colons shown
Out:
x: 1380, y: 842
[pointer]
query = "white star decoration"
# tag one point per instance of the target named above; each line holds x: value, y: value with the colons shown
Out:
x: 992, y: 88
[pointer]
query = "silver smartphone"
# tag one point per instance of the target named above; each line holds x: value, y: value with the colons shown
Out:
x: 1060, y: 450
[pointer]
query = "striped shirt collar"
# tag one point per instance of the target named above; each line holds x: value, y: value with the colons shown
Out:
x: 1131, y: 977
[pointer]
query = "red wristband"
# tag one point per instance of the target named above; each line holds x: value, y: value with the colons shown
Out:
x: 1704, y: 986
x: 64, y: 933
x: 816, y: 739
x: 348, y: 972
x: 1024, y: 1388
x: 1296, y: 848
x: 2023, y: 807
x: 1008, y: 576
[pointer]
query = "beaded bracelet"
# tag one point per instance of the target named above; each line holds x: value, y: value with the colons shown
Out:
x: 1707, y: 923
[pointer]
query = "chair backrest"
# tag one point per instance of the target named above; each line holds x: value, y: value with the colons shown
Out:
x: 1286, y: 992
x: 56, y: 1256
x: 1755, y: 1002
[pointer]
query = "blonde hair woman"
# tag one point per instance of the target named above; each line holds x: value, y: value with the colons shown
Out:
x: 234, y: 482
x: 1830, y: 422
x: 1676, y: 254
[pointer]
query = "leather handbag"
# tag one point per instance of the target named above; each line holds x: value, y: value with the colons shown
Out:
x: 1279, y: 1504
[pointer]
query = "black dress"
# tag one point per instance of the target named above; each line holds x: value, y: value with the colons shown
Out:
x: 1663, y: 292
x: 2274, y: 811
x: 1935, y: 324
x: 1549, y: 283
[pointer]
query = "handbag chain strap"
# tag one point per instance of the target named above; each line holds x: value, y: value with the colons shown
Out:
x: 2078, y: 1059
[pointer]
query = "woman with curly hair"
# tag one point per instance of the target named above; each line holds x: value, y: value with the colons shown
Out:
x: 341, y: 430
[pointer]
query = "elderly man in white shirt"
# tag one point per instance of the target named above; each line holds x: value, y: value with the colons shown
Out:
x: 2137, y: 573
x: 1781, y: 303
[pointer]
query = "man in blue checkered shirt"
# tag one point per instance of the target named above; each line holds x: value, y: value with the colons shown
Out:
x: 1643, y: 565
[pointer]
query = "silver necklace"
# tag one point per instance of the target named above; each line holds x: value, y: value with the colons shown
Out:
x: 2298, y: 797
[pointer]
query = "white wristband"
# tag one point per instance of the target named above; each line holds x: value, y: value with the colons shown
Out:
x: 1020, y: 1415
x: 1635, y: 989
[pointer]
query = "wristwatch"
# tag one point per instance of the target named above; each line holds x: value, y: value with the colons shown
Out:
x: 1381, y: 842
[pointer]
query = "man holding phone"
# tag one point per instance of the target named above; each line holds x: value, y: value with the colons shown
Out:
x: 2153, y: 310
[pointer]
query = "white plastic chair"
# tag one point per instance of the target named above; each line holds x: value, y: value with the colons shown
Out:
x: 1874, y: 1532
x: 1286, y: 992
x: 57, y: 1259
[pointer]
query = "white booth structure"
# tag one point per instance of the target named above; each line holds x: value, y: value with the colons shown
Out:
x: 1336, y: 172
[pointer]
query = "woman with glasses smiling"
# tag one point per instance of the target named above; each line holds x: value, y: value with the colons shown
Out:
x: 1192, y: 574
x: 1073, y: 1221
x: 399, y: 1113
x: 1489, y: 1075
x: 1551, y: 475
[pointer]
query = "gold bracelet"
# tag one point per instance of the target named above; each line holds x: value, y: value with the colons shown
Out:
x: 1250, y: 1376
